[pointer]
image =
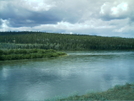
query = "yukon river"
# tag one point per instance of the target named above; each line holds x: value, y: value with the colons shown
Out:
x: 78, y: 73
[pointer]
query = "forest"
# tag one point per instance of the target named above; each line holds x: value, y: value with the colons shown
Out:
x: 58, y: 41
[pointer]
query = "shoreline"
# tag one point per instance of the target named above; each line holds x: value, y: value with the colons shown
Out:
x: 119, y: 92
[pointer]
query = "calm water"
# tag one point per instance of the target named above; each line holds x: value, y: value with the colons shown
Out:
x: 79, y: 72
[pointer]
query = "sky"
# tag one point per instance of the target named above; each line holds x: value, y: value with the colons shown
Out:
x: 93, y: 17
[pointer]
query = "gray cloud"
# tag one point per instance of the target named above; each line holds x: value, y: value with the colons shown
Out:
x: 103, y: 17
x: 19, y: 16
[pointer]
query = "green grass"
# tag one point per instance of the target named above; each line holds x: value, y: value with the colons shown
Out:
x: 125, y: 92
x: 17, y: 54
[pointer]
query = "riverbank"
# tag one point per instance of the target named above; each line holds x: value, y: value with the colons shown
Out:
x: 18, y: 54
x: 125, y: 92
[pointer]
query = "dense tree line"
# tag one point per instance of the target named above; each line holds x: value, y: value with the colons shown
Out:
x: 15, y: 54
x: 43, y: 40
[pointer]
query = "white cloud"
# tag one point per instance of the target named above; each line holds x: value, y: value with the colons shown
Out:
x: 105, y: 8
x: 37, y: 5
x: 5, y: 25
x: 120, y: 8
x: 115, y: 9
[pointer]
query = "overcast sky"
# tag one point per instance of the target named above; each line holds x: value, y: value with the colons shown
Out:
x: 93, y: 17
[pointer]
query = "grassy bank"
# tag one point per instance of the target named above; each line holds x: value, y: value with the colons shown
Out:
x: 17, y: 54
x: 125, y: 92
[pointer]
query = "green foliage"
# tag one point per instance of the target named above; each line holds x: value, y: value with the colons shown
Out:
x: 39, y: 40
x: 15, y: 54
x: 125, y: 92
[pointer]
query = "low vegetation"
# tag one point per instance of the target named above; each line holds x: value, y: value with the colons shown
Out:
x: 17, y: 54
x: 118, y: 93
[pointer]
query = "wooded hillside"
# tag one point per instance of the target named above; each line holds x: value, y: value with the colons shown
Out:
x: 42, y: 40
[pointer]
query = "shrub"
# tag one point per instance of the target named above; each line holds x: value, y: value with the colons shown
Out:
x: 28, y: 54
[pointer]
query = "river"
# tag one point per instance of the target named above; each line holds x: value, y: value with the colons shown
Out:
x: 78, y: 73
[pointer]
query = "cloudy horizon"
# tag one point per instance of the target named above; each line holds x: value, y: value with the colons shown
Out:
x: 92, y: 17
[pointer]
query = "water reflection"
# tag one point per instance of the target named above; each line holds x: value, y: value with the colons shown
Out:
x: 79, y: 72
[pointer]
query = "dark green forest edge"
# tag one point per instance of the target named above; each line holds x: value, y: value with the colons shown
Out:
x: 118, y: 93
x: 57, y: 41
x: 17, y: 54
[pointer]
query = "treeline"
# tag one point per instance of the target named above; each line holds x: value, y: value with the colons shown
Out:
x: 17, y: 54
x: 40, y: 40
